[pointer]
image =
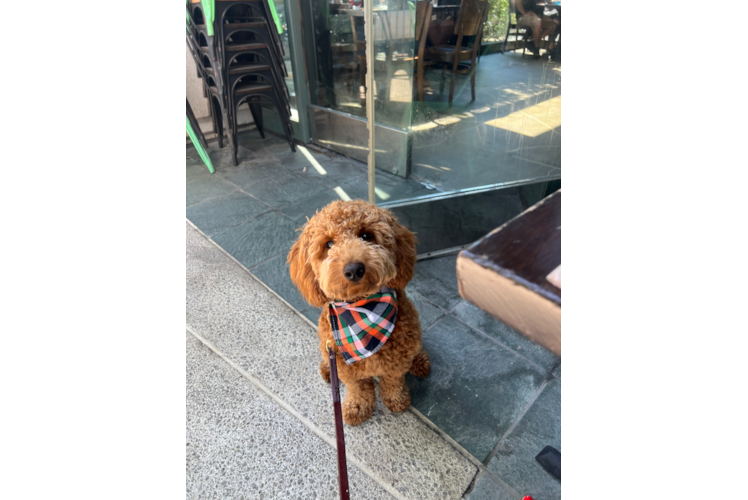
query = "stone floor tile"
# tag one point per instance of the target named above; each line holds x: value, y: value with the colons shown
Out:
x: 259, y: 239
x: 218, y: 214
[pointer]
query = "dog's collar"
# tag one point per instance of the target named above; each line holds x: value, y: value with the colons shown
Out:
x: 361, y: 328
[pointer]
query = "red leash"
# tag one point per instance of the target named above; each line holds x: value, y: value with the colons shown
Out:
x: 342, y: 467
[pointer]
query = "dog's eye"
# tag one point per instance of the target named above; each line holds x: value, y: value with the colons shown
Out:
x: 329, y: 244
x: 367, y: 236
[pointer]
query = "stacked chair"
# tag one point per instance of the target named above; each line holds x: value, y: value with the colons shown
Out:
x: 239, y: 57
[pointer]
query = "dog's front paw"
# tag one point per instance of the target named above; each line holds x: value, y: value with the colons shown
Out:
x: 421, y: 364
x: 395, y: 398
x: 356, y: 411
x: 324, y: 370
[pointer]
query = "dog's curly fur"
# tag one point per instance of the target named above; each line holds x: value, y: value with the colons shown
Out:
x: 317, y: 271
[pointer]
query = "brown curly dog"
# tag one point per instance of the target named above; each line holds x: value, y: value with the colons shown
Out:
x: 347, y: 252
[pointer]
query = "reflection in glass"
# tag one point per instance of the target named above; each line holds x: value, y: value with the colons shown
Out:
x: 503, y: 125
x: 281, y: 10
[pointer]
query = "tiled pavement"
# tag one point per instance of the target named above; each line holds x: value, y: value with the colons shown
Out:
x: 491, y: 390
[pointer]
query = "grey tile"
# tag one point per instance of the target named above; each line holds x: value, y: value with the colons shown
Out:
x: 338, y: 170
x: 487, y: 488
x: 300, y: 210
x: 202, y: 185
x: 258, y: 239
x: 356, y: 189
x: 243, y: 156
x: 249, y: 174
x: 259, y: 333
x: 275, y: 274
x: 436, y: 281
x: 241, y: 444
x: 557, y: 372
x: 443, y: 268
x: 270, y: 146
x: 222, y: 158
x: 476, y: 388
x: 568, y: 405
x: 514, y: 340
x: 299, y: 163
x: 515, y: 460
x: 193, y: 157
x: 312, y: 313
x: 285, y: 189
x: 428, y: 313
x: 219, y: 214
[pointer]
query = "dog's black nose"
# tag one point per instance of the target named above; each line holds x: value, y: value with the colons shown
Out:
x: 354, y: 271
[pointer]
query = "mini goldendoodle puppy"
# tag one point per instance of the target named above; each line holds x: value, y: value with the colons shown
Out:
x: 354, y: 260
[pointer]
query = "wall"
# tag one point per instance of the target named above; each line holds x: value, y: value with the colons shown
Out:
x: 195, y: 89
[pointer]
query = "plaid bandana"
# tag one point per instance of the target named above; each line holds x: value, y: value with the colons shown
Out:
x: 361, y: 328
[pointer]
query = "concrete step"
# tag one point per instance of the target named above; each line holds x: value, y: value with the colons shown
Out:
x: 241, y: 443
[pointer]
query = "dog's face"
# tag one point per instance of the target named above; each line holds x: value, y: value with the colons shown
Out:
x: 348, y: 251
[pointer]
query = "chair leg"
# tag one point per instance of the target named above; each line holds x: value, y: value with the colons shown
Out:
x: 474, y: 67
x: 256, y: 111
x: 473, y: 70
x: 231, y: 129
x: 212, y: 115
x: 287, y: 128
x: 289, y: 137
x: 219, y: 132
x: 452, y: 82
x: 452, y: 88
x: 285, y: 119
x: 235, y: 142
x: 420, y: 82
x: 196, y: 126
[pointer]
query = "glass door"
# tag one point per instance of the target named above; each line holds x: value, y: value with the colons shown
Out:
x: 336, y: 60
x: 293, y: 58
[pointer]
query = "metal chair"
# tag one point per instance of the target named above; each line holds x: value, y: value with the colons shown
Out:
x: 470, y: 20
x: 241, y: 46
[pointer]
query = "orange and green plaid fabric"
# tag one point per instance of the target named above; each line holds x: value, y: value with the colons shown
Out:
x: 361, y: 328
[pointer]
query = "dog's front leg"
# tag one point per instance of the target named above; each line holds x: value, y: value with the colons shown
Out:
x: 359, y: 401
x: 324, y: 365
x: 324, y: 370
x: 394, y: 391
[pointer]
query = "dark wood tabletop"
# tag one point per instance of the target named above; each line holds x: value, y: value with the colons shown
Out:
x: 527, y: 248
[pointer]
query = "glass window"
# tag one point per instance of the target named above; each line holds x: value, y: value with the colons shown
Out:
x: 493, y: 119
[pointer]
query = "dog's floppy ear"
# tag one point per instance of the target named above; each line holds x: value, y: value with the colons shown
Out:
x: 302, y: 274
x: 405, y: 256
